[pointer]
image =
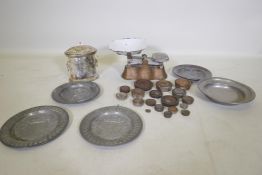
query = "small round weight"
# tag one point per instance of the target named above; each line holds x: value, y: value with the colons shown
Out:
x: 138, y: 102
x: 148, y: 110
x: 137, y: 93
x: 150, y: 102
x: 168, y: 114
x: 169, y: 100
x: 143, y: 84
x: 125, y: 89
x: 173, y: 109
x: 183, y: 83
x: 183, y: 105
x: 188, y: 100
x: 164, y: 85
x: 178, y: 92
x: 159, y: 107
x: 185, y: 112
x: 155, y: 94
x: 121, y: 95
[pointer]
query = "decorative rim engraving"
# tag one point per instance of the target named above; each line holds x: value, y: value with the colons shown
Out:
x: 86, y: 125
x: 93, y: 87
x: 216, y: 83
x: 8, y: 137
x: 185, y: 71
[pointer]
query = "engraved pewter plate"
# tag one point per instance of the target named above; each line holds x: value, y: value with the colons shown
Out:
x: 226, y: 91
x: 75, y: 92
x: 34, y: 126
x: 191, y: 72
x: 110, y: 126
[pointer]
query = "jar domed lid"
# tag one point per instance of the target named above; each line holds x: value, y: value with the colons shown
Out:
x: 80, y: 51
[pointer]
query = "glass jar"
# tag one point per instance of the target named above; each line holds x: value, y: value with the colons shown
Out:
x: 81, y: 63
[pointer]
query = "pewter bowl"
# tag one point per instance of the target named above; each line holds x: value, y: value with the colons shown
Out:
x: 226, y: 91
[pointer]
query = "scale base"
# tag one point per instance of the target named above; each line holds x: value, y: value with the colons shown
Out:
x: 148, y: 72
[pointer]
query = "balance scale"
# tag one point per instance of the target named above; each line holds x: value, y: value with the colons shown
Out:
x: 139, y: 66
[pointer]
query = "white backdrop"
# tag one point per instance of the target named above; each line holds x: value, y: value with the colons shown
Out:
x: 173, y: 26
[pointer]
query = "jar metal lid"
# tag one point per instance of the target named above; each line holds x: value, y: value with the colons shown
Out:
x: 80, y: 51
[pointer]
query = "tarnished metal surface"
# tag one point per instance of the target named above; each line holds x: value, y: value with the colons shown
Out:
x: 168, y: 114
x: 226, y: 91
x: 138, y: 102
x: 125, y: 89
x: 80, y: 51
x: 137, y: 93
x: 192, y: 72
x: 173, y: 109
x: 143, y: 84
x: 159, y: 107
x: 185, y: 112
x: 164, y: 85
x: 121, y: 96
x: 75, y: 92
x: 160, y: 57
x: 169, y: 100
x: 183, y: 83
x: 148, y: 110
x: 183, y: 105
x: 187, y: 100
x: 34, y: 126
x: 144, y: 71
x: 150, y: 102
x: 155, y: 94
x: 82, y: 63
x: 110, y: 126
x: 178, y: 92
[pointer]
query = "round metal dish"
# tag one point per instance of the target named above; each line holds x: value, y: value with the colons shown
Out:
x: 110, y: 126
x: 160, y: 57
x: 75, y: 92
x: 192, y: 72
x: 226, y: 91
x: 34, y: 126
